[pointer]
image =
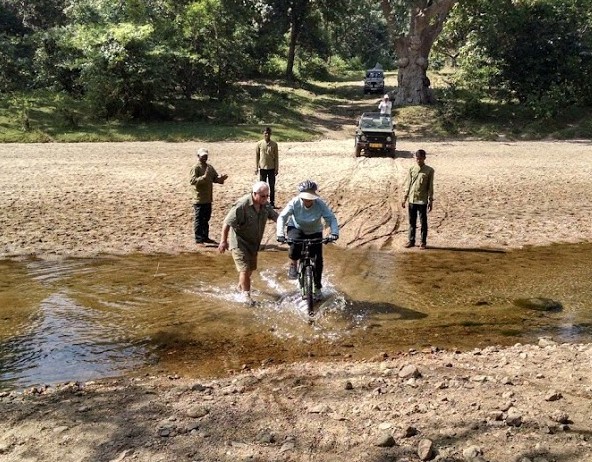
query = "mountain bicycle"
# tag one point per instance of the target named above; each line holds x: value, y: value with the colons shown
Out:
x: 307, y: 267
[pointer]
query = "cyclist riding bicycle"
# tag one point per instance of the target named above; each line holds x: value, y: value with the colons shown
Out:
x: 303, y: 217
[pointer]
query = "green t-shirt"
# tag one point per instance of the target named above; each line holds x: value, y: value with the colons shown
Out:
x: 247, y: 225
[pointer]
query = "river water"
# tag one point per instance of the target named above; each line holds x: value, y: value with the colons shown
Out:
x: 81, y: 319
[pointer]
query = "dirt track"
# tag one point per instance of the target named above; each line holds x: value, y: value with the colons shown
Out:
x: 84, y: 199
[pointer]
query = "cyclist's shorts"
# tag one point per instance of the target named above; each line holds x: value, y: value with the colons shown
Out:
x: 244, y: 260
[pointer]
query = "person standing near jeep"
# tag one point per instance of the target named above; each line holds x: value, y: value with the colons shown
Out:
x: 419, y: 189
x: 385, y: 106
x: 267, y: 162
x: 203, y: 177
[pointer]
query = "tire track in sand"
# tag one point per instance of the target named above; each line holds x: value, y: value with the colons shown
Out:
x: 375, y: 217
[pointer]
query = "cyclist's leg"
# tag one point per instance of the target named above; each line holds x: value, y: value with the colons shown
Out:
x: 295, y: 249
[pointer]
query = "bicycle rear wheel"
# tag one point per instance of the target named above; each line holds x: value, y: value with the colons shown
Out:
x: 307, y: 287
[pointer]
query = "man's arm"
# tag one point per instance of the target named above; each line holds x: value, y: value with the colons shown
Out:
x: 257, y: 157
x: 431, y: 191
x: 198, y: 179
x: 283, y: 219
x: 277, y: 159
x: 223, y: 246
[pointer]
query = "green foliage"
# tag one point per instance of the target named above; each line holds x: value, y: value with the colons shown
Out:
x: 313, y: 68
x: 20, y: 113
x: 538, y: 52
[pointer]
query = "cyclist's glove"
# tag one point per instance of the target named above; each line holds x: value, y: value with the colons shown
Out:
x: 281, y: 239
x: 333, y: 237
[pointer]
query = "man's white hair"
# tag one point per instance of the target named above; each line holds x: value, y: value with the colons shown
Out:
x: 259, y: 186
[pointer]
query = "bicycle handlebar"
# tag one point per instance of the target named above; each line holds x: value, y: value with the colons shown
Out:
x: 317, y: 240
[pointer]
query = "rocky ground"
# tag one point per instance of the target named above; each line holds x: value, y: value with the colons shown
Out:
x: 524, y: 403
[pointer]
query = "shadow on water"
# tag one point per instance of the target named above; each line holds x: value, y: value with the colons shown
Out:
x: 83, y: 319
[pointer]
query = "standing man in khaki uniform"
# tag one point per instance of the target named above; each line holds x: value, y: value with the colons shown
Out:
x: 267, y: 162
x: 246, y: 224
x: 419, y: 190
x: 203, y: 177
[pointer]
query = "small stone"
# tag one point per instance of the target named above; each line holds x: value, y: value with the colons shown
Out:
x: 472, y: 452
x: 409, y: 431
x: 409, y: 371
x: 514, y: 417
x: 287, y: 446
x: 553, y: 396
x: 496, y: 415
x: 196, y: 412
x: 266, y: 437
x: 425, y: 449
x: 320, y: 409
x: 386, y: 440
x: 560, y: 417
x: 348, y: 385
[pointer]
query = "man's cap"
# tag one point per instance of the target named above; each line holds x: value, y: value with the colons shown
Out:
x: 386, y: 96
x: 309, y: 195
x: 202, y: 152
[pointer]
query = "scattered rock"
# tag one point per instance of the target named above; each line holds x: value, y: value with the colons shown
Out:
x: 560, y: 417
x: 198, y: 411
x: 425, y: 449
x: 385, y: 440
x: 553, y: 396
x: 319, y: 409
x: 409, y: 371
x: 472, y: 453
x: 514, y: 417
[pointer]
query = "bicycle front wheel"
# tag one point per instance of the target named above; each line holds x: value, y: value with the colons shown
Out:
x: 307, y: 287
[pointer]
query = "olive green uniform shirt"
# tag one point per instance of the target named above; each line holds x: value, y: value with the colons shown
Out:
x: 247, y: 225
x: 203, y: 179
x: 419, y: 185
x: 267, y: 157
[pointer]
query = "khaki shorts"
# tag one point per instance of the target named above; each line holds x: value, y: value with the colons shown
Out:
x: 244, y: 261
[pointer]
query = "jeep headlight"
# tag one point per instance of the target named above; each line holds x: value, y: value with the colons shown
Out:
x: 363, y: 138
x: 388, y: 138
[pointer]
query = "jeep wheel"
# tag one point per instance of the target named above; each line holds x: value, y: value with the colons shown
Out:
x: 358, y: 151
x: 393, y: 152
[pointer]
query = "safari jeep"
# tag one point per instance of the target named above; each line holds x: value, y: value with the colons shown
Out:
x: 374, y: 80
x: 375, y: 134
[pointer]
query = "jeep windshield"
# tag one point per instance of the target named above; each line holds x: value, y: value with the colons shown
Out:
x: 376, y: 122
x: 374, y: 75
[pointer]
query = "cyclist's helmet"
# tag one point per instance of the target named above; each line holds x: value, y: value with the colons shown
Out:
x: 307, y: 186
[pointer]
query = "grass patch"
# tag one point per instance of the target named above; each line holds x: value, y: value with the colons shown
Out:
x: 297, y: 112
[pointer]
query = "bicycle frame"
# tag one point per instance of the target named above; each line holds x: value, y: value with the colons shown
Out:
x: 306, y: 269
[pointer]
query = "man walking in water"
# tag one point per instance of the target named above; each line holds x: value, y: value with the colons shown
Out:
x: 419, y: 190
x: 245, y: 223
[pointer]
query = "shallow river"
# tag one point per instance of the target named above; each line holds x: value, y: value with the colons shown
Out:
x: 81, y: 319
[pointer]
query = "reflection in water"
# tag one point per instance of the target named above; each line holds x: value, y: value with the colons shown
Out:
x: 81, y: 319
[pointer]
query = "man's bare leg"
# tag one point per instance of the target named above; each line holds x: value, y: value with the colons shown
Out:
x: 244, y: 281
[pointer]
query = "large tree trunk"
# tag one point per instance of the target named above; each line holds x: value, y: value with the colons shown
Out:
x: 297, y: 13
x: 425, y: 23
